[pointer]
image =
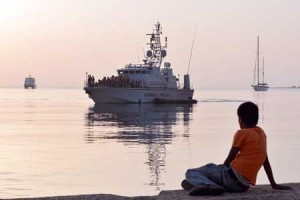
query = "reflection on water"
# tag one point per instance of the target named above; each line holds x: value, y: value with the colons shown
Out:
x: 259, y: 100
x: 146, y: 124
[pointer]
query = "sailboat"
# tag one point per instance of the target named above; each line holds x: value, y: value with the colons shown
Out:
x: 259, y: 86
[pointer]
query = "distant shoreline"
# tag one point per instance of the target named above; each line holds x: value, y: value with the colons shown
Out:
x: 198, y: 88
x: 288, y: 87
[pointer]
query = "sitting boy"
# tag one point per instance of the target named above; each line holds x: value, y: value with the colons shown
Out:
x: 248, y: 153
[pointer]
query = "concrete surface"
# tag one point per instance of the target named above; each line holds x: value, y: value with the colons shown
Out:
x: 258, y: 192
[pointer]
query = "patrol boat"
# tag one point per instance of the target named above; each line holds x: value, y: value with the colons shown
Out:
x: 29, y: 82
x: 150, y: 82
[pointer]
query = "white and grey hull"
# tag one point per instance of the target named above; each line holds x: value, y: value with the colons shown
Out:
x: 103, y: 95
x: 259, y: 88
x: 29, y: 86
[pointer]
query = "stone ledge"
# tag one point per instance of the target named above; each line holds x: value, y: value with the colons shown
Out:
x: 264, y: 192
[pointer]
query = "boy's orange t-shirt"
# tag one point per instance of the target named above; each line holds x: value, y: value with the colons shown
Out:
x: 253, y: 151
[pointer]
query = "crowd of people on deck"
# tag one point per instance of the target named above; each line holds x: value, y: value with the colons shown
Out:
x: 113, y: 81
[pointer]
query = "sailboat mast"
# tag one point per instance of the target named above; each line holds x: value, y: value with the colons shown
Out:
x: 254, y: 72
x: 257, y: 59
x: 263, y: 70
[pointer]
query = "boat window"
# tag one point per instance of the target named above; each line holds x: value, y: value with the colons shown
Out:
x: 126, y: 72
x: 131, y: 72
x: 144, y: 72
x: 137, y: 72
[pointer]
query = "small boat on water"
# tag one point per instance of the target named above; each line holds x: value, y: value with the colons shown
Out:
x: 150, y: 82
x: 259, y: 86
x: 29, y: 82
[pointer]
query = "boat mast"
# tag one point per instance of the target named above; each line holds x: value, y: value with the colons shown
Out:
x: 156, y: 53
x: 254, y: 72
x: 192, y: 50
x: 263, y: 70
x: 257, y: 59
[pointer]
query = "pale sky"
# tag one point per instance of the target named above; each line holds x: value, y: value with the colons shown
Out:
x: 57, y: 41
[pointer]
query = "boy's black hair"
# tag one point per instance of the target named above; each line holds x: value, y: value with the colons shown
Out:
x: 248, y: 113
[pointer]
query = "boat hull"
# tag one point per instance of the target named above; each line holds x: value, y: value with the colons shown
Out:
x: 260, y: 88
x: 29, y: 86
x: 103, y: 95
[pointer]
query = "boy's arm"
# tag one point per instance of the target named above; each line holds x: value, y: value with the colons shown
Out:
x: 269, y: 173
x: 231, y: 155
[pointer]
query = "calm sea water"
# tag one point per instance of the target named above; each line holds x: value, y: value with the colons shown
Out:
x: 56, y: 142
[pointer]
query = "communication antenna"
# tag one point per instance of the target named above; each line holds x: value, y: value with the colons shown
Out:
x: 192, y: 50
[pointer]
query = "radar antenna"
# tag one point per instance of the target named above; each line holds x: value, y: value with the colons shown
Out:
x: 156, y: 54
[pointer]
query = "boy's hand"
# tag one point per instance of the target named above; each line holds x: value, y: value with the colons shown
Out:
x: 281, y: 187
x: 269, y: 172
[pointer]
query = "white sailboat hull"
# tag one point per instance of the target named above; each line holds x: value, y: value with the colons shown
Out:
x: 103, y: 95
x: 261, y: 88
